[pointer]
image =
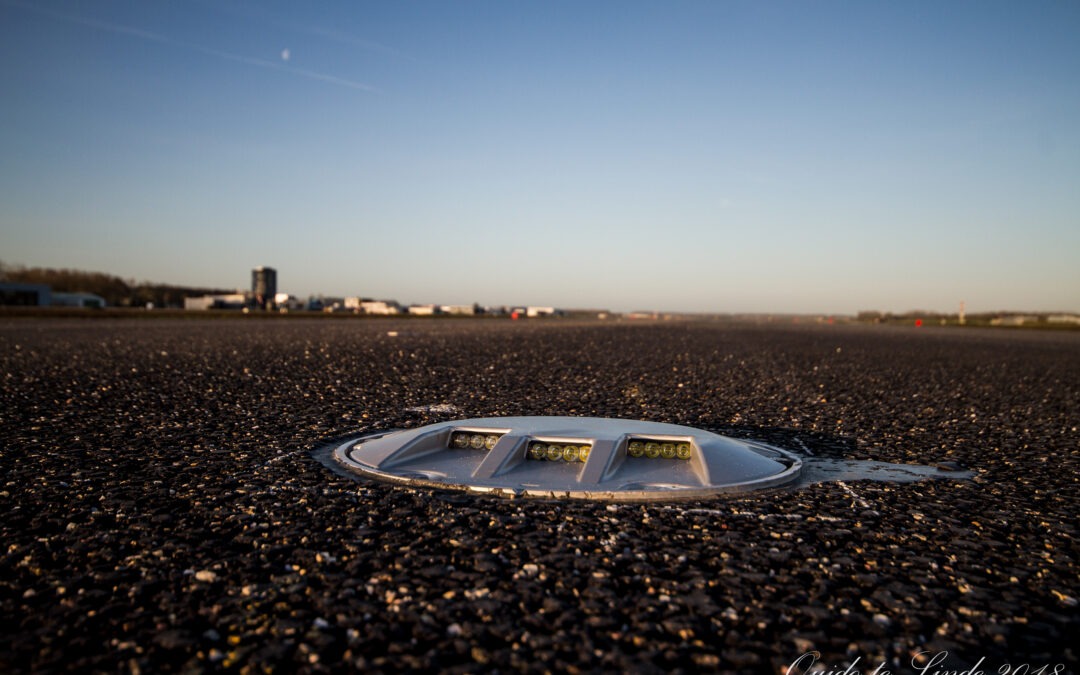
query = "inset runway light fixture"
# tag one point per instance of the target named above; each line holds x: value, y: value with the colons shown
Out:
x: 572, y: 457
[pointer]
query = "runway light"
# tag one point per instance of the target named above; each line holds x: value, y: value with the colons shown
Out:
x: 573, y: 457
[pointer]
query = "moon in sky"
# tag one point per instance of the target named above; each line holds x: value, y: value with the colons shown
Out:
x: 285, y: 54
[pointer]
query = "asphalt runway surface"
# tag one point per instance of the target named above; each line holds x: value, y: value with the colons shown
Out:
x: 161, y: 509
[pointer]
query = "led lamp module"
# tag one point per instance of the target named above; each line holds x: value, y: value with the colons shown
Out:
x: 572, y: 457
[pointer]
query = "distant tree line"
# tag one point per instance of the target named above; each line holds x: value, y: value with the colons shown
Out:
x: 116, y: 291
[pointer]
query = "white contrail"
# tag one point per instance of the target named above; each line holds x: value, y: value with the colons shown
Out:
x: 266, y: 63
x: 203, y: 49
x: 264, y: 16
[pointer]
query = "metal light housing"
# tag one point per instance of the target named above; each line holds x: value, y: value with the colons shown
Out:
x: 570, y: 457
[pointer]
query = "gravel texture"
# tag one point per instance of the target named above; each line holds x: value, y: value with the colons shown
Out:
x: 162, y: 511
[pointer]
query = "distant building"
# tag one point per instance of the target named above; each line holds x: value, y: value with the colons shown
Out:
x: 227, y: 301
x: 287, y: 302
x: 459, y: 309
x: 424, y: 310
x: 1063, y: 318
x: 369, y: 306
x: 384, y: 307
x: 333, y: 305
x: 25, y: 295
x: 533, y: 312
x: 85, y: 300
x: 1013, y: 320
x: 264, y: 286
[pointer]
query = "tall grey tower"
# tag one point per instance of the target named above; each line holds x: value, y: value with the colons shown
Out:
x: 264, y: 286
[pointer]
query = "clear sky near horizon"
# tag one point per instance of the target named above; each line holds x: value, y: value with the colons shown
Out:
x: 687, y: 156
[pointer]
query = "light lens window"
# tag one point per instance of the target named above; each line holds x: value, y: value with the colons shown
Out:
x: 658, y: 449
x: 462, y: 440
x: 558, y: 452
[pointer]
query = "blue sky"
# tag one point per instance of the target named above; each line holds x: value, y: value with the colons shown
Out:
x: 693, y: 156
